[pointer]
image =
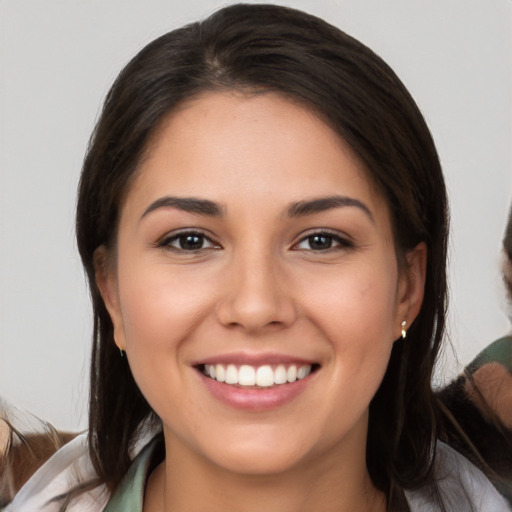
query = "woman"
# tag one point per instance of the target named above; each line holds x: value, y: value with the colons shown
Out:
x: 262, y: 219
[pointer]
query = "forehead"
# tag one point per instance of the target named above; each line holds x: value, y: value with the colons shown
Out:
x: 230, y: 145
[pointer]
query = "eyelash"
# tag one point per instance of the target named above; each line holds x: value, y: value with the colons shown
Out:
x: 169, y: 240
x: 341, y: 242
x: 179, y: 238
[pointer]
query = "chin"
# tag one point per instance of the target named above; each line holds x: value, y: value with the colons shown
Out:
x: 258, y: 461
x: 251, y: 449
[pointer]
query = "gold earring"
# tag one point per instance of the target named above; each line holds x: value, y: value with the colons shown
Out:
x: 404, y: 332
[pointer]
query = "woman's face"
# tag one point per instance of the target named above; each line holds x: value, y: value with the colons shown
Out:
x: 253, y: 247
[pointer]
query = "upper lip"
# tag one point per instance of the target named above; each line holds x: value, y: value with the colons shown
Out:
x: 240, y: 358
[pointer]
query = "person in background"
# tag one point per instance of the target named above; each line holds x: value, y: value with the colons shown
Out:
x: 26, y: 443
x: 479, y: 402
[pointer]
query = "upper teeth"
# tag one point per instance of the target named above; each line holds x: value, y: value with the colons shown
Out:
x: 263, y: 376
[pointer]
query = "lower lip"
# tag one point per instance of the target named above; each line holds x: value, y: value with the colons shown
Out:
x: 256, y: 399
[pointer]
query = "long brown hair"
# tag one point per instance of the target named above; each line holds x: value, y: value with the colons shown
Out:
x: 282, y: 50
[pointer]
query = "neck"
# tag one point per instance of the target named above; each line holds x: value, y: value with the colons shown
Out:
x: 331, y: 482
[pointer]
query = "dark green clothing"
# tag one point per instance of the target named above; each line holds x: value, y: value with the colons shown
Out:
x: 498, y: 352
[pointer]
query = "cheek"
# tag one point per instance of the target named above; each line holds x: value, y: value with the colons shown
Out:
x: 160, y: 309
x: 354, y: 303
x: 356, y: 313
x: 160, y: 312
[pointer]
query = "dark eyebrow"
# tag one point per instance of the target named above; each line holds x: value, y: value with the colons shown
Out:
x: 187, y: 204
x: 321, y: 204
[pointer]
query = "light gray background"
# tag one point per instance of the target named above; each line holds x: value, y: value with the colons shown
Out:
x: 57, y: 60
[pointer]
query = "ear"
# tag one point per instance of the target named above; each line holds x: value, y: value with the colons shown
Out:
x: 106, y: 282
x: 411, y: 286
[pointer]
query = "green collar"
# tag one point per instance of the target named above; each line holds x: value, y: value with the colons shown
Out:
x: 129, y: 496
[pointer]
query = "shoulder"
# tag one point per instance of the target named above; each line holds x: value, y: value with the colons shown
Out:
x: 68, y: 468
x: 129, y: 496
x: 500, y: 351
x: 460, y: 486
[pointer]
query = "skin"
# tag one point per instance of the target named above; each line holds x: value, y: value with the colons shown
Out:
x: 258, y: 286
x: 492, y: 389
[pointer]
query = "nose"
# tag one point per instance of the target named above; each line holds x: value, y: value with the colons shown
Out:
x: 255, y: 296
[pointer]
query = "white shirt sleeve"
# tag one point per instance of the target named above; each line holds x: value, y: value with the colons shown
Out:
x: 462, y: 487
x: 68, y: 467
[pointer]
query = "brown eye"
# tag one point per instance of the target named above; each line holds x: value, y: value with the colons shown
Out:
x: 319, y: 242
x: 323, y: 242
x: 188, y: 242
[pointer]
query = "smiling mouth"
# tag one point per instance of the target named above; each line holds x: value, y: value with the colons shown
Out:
x: 264, y: 376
